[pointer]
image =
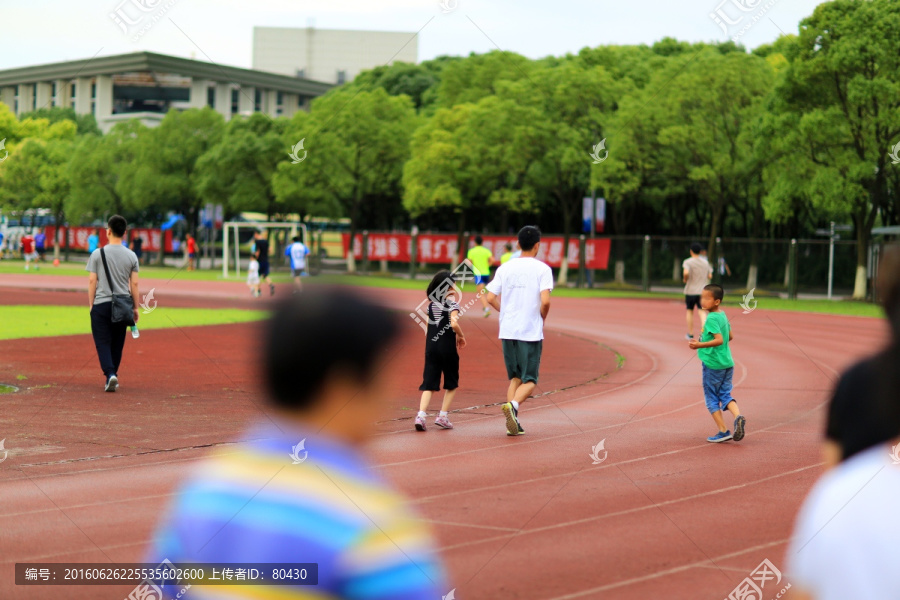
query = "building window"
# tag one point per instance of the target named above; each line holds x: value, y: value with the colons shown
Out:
x: 341, y: 77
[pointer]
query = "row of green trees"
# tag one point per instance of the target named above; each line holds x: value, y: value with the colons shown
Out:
x: 683, y: 139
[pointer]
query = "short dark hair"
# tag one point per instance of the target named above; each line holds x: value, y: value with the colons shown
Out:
x: 296, y: 238
x: 508, y: 247
x: 528, y: 237
x: 479, y: 240
x: 716, y: 290
x: 439, y: 278
x: 696, y: 248
x: 118, y: 225
x: 316, y: 332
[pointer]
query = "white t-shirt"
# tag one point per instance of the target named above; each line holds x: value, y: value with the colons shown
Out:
x: 297, y: 251
x: 845, y: 539
x: 253, y: 272
x: 698, y: 275
x: 519, y: 284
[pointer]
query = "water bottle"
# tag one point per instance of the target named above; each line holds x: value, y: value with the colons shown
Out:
x: 134, y: 332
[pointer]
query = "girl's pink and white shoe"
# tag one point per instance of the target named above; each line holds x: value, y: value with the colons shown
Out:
x: 443, y: 423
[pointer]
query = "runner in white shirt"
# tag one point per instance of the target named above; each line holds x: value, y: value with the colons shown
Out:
x: 520, y: 292
x: 297, y: 251
x: 845, y: 539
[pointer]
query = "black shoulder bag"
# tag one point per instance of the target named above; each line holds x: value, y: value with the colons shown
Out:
x: 122, y: 304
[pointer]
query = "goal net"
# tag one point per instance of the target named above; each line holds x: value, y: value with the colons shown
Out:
x: 237, y: 235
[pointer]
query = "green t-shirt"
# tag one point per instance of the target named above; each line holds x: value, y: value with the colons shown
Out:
x: 480, y: 257
x: 718, y: 357
x: 506, y: 256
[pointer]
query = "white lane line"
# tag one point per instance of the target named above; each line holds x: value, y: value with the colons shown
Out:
x: 629, y: 511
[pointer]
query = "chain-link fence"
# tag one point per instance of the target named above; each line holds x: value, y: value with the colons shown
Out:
x: 784, y: 266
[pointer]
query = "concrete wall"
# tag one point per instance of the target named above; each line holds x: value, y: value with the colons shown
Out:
x: 321, y: 53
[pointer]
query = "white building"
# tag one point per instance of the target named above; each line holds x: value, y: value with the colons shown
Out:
x: 329, y: 55
x: 145, y: 86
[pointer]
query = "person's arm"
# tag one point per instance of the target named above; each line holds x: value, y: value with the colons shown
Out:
x: 92, y: 289
x: 730, y: 334
x: 494, y: 300
x: 716, y: 341
x: 685, y: 275
x: 545, y: 304
x: 135, y: 294
x: 454, y: 324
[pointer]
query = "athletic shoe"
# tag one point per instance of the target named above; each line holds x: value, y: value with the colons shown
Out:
x: 512, y: 419
x: 688, y: 337
x: 443, y: 423
x: 739, y: 424
x: 112, y: 384
x: 521, y: 431
x: 722, y: 436
x: 487, y: 313
x: 420, y: 423
x: 271, y: 290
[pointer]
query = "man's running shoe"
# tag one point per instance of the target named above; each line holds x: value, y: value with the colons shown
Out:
x: 722, y: 436
x: 512, y: 419
x: 112, y: 384
x: 420, y: 423
x: 739, y: 424
x: 443, y: 423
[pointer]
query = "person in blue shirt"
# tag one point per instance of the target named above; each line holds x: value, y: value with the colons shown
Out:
x: 297, y: 252
x: 93, y: 242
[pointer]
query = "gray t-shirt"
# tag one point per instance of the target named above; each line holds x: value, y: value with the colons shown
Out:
x: 698, y: 275
x: 121, y: 261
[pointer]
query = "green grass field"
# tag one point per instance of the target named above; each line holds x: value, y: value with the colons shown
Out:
x: 17, y: 267
x: 45, y: 321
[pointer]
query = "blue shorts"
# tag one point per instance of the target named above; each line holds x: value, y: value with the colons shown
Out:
x: 481, y: 279
x: 717, y: 388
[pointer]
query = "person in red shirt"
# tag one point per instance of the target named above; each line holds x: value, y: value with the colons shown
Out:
x: 191, y: 250
x: 27, y: 243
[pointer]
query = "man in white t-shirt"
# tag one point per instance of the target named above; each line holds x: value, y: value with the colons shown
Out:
x: 520, y: 292
x: 697, y: 273
x: 297, y: 252
x: 845, y: 539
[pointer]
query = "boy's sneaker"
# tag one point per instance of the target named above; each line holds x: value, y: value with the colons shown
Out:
x: 739, y: 424
x: 722, y: 436
x: 512, y: 419
x: 443, y: 423
x: 420, y: 423
x: 112, y: 384
x: 271, y: 289
x: 688, y: 337
x: 487, y: 313
x: 521, y: 431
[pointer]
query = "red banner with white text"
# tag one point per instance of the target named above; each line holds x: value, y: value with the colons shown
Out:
x: 78, y: 237
x: 439, y: 248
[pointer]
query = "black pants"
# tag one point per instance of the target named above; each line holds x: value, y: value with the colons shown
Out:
x: 109, y: 338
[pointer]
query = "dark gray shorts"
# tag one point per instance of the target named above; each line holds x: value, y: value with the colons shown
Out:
x: 523, y: 359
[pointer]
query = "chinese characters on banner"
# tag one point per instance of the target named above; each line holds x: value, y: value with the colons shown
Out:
x: 442, y: 248
x: 78, y: 237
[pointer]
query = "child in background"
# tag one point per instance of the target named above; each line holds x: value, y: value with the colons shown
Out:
x: 506, y: 255
x: 444, y: 338
x: 253, y: 277
x: 718, y: 365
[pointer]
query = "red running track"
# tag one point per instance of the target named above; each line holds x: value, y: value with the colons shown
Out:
x: 664, y: 515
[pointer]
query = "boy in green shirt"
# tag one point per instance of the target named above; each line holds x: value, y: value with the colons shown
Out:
x: 718, y: 366
x: 481, y: 259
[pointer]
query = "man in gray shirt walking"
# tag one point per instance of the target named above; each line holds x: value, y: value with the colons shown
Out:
x: 109, y: 337
x: 697, y: 274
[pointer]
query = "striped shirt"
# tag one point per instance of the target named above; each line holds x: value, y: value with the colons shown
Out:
x: 255, y: 505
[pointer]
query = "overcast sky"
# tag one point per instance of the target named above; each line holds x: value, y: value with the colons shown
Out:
x: 41, y: 31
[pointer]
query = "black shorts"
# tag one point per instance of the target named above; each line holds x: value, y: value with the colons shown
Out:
x: 41, y: 252
x: 522, y: 359
x: 437, y: 363
x: 263, y: 268
x: 692, y: 302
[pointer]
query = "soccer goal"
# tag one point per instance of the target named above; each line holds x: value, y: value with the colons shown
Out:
x: 231, y: 238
